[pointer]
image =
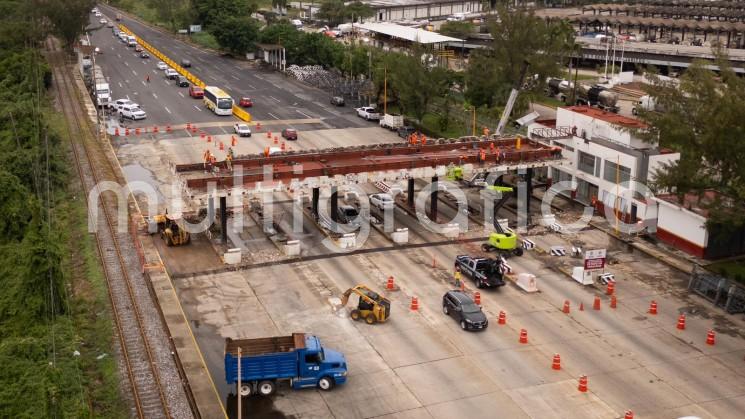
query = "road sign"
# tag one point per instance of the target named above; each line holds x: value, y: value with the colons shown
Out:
x: 595, y: 259
x: 195, y: 28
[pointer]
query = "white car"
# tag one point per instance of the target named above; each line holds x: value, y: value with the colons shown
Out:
x: 103, y: 21
x: 98, y: 14
x: 171, y: 73
x: 132, y: 112
x: 162, y: 65
x: 117, y: 105
x: 383, y: 201
x: 369, y: 113
x: 242, y: 130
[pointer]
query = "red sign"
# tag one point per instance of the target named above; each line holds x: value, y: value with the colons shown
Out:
x: 598, y: 263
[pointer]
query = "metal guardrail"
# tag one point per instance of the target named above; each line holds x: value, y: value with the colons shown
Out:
x: 720, y: 291
x: 237, y: 111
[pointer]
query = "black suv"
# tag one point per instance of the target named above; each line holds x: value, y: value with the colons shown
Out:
x: 337, y: 101
x: 185, y: 63
x: 182, y: 81
x: 461, y: 307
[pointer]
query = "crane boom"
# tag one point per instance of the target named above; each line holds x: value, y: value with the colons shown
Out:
x: 511, y: 100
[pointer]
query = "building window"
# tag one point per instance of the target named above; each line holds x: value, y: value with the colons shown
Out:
x: 614, y: 171
x: 586, y: 163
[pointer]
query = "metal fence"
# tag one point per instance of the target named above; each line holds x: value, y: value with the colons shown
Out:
x: 722, y: 292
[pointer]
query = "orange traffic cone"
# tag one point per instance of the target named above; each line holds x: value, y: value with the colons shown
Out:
x: 202, y: 135
x: 582, y: 384
x: 523, y: 336
x: 596, y: 304
x: 209, y: 138
x: 613, y: 301
x: 126, y: 132
x: 116, y: 131
x: 168, y: 128
x: 222, y: 146
x: 155, y: 129
x: 269, y: 135
x: 266, y: 151
x: 566, y: 307
x: 557, y: 362
x: 611, y: 288
x: 258, y: 126
x: 193, y: 129
x: 653, y: 307
x: 682, y: 322
x: 282, y: 147
x: 389, y: 284
x: 628, y: 415
x: 188, y: 126
x: 414, y: 304
x: 477, y: 298
x: 502, y: 318
x: 710, y: 340
x: 581, y: 306
x: 137, y: 131
x: 276, y: 140
x: 233, y: 141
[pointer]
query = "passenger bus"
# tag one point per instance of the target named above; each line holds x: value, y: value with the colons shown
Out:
x: 218, y: 101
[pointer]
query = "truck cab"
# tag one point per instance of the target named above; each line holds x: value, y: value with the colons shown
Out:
x: 316, y: 363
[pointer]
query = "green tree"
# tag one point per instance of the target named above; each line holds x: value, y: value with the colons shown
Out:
x: 332, y: 11
x: 213, y: 12
x: 457, y: 29
x: 704, y: 119
x: 236, y: 34
x: 358, y: 11
x: 415, y: 83
x: 69, y: 18
x: 518, y: 36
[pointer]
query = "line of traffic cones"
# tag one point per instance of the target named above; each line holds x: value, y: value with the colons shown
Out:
x: 414, y: 304
x: 681, y: 322
x: 556, y: 364
x: 502, y: 319
x: 582, y: 384
x: 523, y: 336
x: 566, y: 307
x: 477, y: 298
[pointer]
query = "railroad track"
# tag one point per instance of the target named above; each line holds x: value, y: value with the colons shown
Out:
x: 93, y: 167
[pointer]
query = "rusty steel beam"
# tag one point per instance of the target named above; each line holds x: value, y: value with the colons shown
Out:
x: 367, y: 159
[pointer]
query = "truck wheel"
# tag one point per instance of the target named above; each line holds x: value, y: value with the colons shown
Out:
x: 267, y: 388
x: 355, y: 314
x: 445, y: 309
x: 479, y: 284
x: 518, y: 251
x: 326, y: 383
x: 246, y: 389
x: 370, y: 319
x: 463, y: 324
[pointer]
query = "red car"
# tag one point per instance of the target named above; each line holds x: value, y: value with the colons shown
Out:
x: 246, y: 102
x: 289, y: 134
x: 196, y: 91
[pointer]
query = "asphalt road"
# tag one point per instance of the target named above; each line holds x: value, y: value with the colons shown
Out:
x: 275, y: 96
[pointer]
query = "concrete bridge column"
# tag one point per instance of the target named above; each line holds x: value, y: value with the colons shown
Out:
x: 314, y: 202
x: 334, y: 204
x: 410, y: 192
x: 433, y: 199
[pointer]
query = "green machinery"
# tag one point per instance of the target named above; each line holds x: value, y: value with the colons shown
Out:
x: 502, y: 240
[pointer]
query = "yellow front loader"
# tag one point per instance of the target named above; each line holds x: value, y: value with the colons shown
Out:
x: 372, y: 307
x: 172, y: 230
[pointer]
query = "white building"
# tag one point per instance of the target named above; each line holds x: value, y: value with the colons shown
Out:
x: 397, y: 10
x: 603, y: 157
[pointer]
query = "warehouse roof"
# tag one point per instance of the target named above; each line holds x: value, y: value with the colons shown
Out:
x: 419, y: 36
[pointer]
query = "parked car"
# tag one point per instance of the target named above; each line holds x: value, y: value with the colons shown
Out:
x: 337, y: 101
x: 405, y: 131
x: 383, y: 201
x: 162, y: 65
x: 242, y: 130
x: 111, y: 24
x: 458, y: 305
x: 132, y: 112
x: 103, y: 21
x: 144, y: 54
x: 246, y: 102
x: 117, y: 105
x: 347, y: 214
x: 289, y: 134
x: 196, y: 91
x: 181, y: 81
x: 185, y: 63
x: 369, y: 113
x: 171, y: 74
x: 484, y: 272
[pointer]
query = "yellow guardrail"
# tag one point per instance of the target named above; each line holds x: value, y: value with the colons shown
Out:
x: 237, y: 111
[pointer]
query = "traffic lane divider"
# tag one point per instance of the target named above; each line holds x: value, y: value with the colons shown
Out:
x: 237, y: 110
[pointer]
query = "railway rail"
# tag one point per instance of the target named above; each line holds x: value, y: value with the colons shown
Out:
x: 148, y: 392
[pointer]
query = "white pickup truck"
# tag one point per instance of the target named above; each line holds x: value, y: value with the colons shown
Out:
x: 369, y: 113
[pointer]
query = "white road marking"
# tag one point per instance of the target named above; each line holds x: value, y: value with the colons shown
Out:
x: 250, y: 86
x: 223, y: 130
x: 127, y: 97
x: 303, y: 114
x: 272, y: 115
x: 112, y: 48
x: 258, y: 77
x: 167, y: 110
x: 154, y: 95
x: 182, y: 95
x: 234, y: 77
x: 120, y: 85
x: 126, y: 63
x: 198, y: 108
x: 134, y: 72
x: 119, y: 55
x: 274, y: 98
x: 143, y: 83
x: 227, y: 87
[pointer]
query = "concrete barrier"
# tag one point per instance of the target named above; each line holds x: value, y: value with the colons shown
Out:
x: 547, y: 220
x: 527, y: 282
x: 292, y: 248
x: 232, y: 256
x: 582, y: 276
x: 451, y: 231
x: 400, y: 236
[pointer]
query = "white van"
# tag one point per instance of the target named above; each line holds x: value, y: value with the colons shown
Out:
x: 131, y: 41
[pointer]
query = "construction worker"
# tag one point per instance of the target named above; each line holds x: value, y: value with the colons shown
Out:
x: 213, y: 163
x: 486, y: 131
x: 147, y: 78
x: 206, y: 158
x: 229, y: 160
x: 457, y: 276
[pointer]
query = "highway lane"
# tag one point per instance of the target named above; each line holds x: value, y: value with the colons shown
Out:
x: 164, y: 102
x: 276, y: 97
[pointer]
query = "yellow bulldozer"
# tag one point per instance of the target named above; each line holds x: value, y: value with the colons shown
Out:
x: 372, y: 307
x: 171, y: 229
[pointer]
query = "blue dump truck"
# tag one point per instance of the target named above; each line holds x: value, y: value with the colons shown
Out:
x: 298, y: 358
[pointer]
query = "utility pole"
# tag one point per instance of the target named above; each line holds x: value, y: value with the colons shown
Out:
x: 385, y: 90
x: 473, y: 121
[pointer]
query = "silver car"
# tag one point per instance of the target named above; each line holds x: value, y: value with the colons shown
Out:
x: 383, y: 201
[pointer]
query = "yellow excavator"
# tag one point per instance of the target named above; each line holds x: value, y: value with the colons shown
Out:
x: 372, y: 307
x: 172, y: 230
